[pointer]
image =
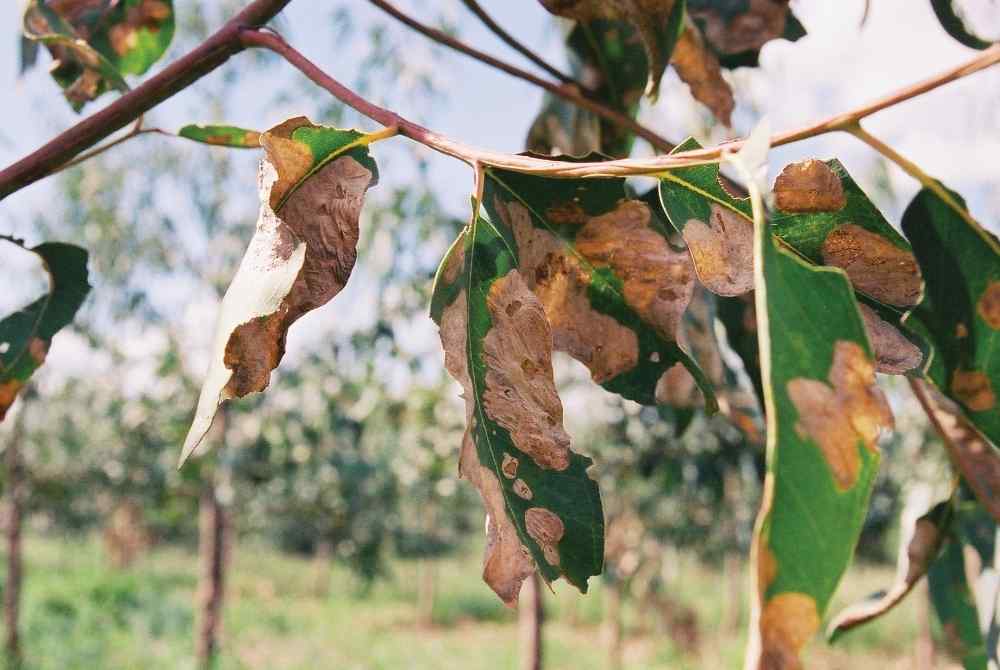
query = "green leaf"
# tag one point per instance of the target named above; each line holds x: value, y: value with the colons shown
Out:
x: 955, y: 25
x: 26, y: 335
x: 922, y: 539
x: 543, y: 508
x: 955, y: 608
x: 312, y: 187
x: 223, y: 136
x: 960, y: 310
x: 824, y: 413
x: 612, y: 286
x: 94, y: 45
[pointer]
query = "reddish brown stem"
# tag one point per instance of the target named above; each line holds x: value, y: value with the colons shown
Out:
x: 177, y: 76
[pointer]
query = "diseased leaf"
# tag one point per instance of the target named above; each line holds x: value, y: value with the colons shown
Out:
x: 26, y: 335
x: 699, y: 68
x: 961, y: 266
x: 971, y: 454
x: 717, y: 228
x: 955, y: 25
x: 94, y: 44
x: 224, y: 136
x: 737, y: 30
x: 655, y: 22
x: 920, y: 543
x: 824, y: 414
x: 612, y: 287
x: 609, y: 58
x: 313, y: 180
x: 543, y: 509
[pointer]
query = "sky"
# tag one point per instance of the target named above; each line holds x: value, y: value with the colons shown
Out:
x: 953, y: 132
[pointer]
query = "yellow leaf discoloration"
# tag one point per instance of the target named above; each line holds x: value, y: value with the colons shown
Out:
x: 843, y: 415
x: 722, y: 251
x: 808, y: 186
x: 874, y: 265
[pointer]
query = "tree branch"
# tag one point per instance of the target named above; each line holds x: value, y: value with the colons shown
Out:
x: 514, y: 44
x: 568, y: 93
x: 177, y: 76
x: 616, y: 168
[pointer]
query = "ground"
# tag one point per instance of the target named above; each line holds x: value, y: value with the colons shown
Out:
x: 79, y: 614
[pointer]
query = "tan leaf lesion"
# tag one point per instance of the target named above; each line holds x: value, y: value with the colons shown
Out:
x: 722, y: 251
x: 894, y: 353
x: 547, y: 529
x: 973, y: 389
x: 520, y: 392
x: 874, y: 264
x: 788, y: 621
x: 988, y: 305
x: 699, y: 68
x: 146, y: 15
x: 843, y: 415
x: 808, y: 186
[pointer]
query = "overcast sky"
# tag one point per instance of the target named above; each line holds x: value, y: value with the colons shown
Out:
x: 953, y: 133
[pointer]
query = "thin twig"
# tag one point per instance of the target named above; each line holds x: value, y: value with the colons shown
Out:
x: 174, y: 78
x: 569, y: 93
x: 623, y: 167
x: 87, y: 155
x: 517, y: 46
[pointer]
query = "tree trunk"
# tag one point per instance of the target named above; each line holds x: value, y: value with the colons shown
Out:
x: 426, y: 588
x: 613, y: 624
x: 531, y: 616
x: 213, y: 533
x: 13, y: 510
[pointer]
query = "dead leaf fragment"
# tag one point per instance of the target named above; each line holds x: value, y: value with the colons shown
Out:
x: 722, y: 251
x: 894, y: 354
x: 749, y: 30
x: 698, y: 67
x: 843, y: 415
x: 546, y: 528
x: 808, y: 186
x: 989, y: 305
x: 787, y: 623
x: 298, y: 259
x: 520, y: 393
x: 874, y: 265
x: 973, y: 389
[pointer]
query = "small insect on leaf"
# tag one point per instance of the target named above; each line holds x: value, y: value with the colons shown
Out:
x: 313, y: 181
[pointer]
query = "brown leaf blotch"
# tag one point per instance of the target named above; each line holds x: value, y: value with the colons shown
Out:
x: 874, y: 265
x: 526, y: 406
x: 787, y: 622
x: 148, y: 15
x: 597, y: 340
x: 989, y: 305
x: 844, y: 414
x: 808, y: 186
x: 509, y: 466
x: 894, y: 354
x: 522, y: 489
x: 699, y: 68
x: 676, y: 387
x: 763, y: 20
x: 722, y: 251
x: 545, y: 528
x: 973, y: 389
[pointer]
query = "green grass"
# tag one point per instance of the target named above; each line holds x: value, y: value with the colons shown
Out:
x: 79, y: 614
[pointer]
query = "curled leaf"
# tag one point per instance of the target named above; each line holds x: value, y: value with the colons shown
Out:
x: 223, y: 136
x: 955, y: 24
x: 26, y: 335
x: 313, y: 181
